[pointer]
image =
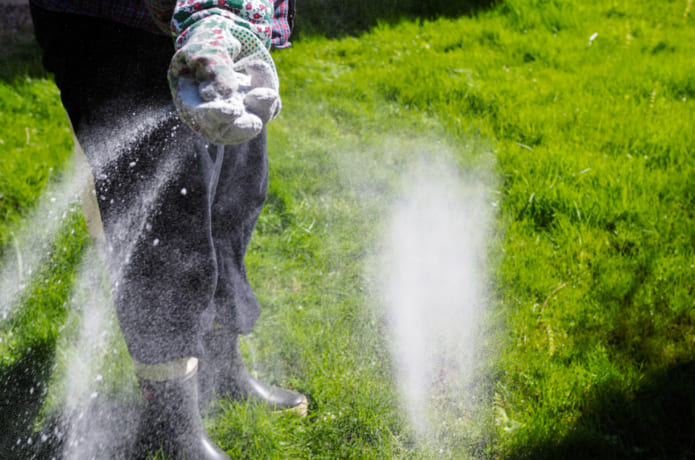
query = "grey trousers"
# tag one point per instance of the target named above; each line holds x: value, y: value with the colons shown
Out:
x: 175, y: 252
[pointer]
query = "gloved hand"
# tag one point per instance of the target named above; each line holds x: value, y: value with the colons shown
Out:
x: 223, y: 80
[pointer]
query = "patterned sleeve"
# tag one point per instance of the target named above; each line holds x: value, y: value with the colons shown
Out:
x: 283, y: 23
x: 262, y: 17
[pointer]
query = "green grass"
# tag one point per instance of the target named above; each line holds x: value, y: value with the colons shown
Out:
x: 592, y: 258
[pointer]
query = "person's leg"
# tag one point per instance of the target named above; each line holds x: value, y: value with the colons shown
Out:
x: 151, y: 176
x: 237, y: 204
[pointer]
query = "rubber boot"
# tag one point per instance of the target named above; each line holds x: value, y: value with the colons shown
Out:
x: 171, y: 424
x: 223, y: 373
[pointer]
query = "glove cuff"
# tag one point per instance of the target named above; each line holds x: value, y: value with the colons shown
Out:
x: 253, y: 15
x: 211, y: 30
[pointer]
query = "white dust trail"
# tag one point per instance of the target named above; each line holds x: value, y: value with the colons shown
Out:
x: 93, y: 427
x: 91, y: 357
x: 434, y: 292
x: 32, y: 241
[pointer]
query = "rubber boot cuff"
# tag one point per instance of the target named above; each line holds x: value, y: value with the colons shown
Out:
x: 172, y: 370
x: 171, y: 423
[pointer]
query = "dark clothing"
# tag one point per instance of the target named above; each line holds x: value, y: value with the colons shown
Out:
x: 175, y: 253
x: 135, y: 14
x: 132, y: 13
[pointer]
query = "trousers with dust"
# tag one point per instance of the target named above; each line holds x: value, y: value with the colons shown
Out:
x: 176, y: 253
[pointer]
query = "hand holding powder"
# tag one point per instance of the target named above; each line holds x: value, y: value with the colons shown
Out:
x: 223, y: 81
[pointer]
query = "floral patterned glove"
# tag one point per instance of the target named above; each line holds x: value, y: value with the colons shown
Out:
x: 222, y: 77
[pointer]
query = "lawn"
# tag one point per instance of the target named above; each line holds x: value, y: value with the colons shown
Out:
x: 575, y: 120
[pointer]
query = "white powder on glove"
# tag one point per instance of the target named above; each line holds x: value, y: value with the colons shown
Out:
x: 222, y: 120
x: 234, y: 109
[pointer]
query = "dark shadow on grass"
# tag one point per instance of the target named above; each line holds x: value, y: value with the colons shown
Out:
x: 656, y: 422
x: 20, y: 57
x: 22, y: 389
x: 338, y: 18
x: 100, y: 430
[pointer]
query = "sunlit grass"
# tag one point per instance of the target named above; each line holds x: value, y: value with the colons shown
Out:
x: 585, y: 111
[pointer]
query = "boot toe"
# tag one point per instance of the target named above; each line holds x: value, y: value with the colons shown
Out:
x: 278, y: 399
